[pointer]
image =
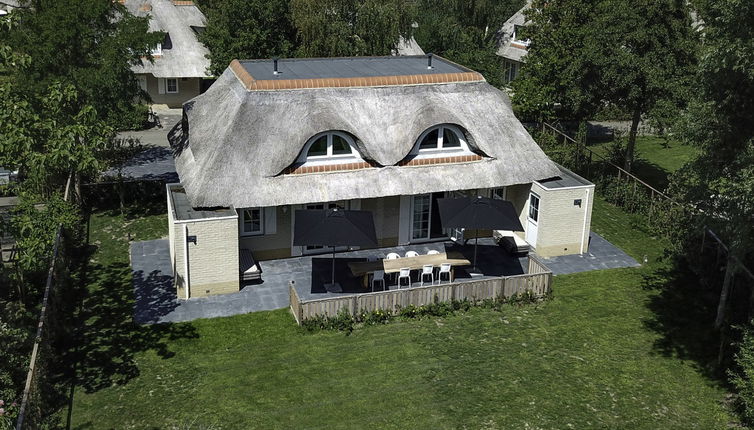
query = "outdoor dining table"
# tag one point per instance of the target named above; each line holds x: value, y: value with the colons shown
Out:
x: 365, y: 268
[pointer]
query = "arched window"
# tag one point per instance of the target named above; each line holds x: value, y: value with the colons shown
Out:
x: 442, y: 138
x: 329, y: 146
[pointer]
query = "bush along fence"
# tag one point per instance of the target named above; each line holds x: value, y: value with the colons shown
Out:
x: 535, y: 284
x: 716, y: 264
x: 38, y: 389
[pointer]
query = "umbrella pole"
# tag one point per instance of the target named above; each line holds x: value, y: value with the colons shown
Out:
x: 333, y: 265
x: 476, y: 241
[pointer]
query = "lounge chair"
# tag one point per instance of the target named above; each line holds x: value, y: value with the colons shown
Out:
x: 250, y: 269
x: 510, y: 241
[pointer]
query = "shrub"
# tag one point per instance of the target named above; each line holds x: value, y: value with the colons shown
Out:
x: 743, y: 378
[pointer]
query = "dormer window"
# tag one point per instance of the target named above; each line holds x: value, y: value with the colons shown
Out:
x: 441, y: 139
x: 329, y: 147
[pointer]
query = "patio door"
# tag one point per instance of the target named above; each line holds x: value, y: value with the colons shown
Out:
x: 532, y: 220
x: 421, y: 217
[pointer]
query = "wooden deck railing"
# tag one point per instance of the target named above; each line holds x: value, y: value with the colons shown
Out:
x: 538, y: 281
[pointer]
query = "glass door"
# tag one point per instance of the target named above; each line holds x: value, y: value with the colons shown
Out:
x: 421, y: 216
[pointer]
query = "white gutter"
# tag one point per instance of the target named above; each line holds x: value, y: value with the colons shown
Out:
x: 186, y: 260
x: 583, y: 228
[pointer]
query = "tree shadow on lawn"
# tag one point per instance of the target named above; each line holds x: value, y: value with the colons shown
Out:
x: 684, y: 312
x: 109, y: 337
x: 651, y: 173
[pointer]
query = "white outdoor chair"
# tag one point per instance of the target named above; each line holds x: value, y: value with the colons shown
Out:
x: 445, y: 269
x: 428, y: 270
x: 379, y: 276
x: 393, y: 256
x: 433, y: 252
x: 410, y: 254
x: 405, y: 273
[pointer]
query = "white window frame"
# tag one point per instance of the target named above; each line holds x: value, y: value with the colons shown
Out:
x: 418, y: 152
x: 530, y: 207
x: 329, y: 158
x: 242, y: 217
x: 167, y: 85
x: 157, y: 50
x: 525, y: 42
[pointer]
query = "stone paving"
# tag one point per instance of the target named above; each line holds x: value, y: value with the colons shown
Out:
x: 156, y: 301
x: 601, y: 255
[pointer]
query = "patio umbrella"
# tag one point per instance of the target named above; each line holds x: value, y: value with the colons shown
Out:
x: 334, y: 227
x: 479, y: 213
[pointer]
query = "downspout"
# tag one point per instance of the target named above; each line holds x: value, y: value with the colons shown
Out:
x: 583, y: 228
x: 186, y: 260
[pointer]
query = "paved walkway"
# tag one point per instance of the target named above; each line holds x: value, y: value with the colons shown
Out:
x: 156, y: 302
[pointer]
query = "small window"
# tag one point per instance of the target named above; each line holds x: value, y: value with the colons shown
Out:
x: 318, y: 148
x: 157, y: 50
x: 326, y: 146
x: 533, y: 207
x: 171, y: 84
x: 498, y: 193
x: 252, y: 222
x: 442, y: 138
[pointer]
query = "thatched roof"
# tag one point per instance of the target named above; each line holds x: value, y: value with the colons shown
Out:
x: 241, y: 142
x: 506, y: 48
x: 186, y: 57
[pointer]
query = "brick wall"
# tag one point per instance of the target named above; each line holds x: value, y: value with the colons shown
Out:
x: 213, y: 260
x: 561, y: 227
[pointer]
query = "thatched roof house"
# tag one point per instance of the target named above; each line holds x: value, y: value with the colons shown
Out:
x: 180, y: 67
x: 241, y: 142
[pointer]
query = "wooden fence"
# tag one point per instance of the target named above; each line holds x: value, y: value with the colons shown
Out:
x: 538, y: 282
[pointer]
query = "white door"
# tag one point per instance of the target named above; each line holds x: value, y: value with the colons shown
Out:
x: 421, y: 217
x: 532, y: 220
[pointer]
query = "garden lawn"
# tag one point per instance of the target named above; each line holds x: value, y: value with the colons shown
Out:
x: 600, y: 355
x: 656, y: 158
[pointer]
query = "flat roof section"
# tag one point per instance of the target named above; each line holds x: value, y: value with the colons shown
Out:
x: 566, y: 179
x: 302, y: 73
x: 184, y: 211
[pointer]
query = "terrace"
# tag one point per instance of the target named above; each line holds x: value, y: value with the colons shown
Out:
x: 156, y: 302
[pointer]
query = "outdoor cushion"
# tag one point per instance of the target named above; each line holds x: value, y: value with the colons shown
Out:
x: 250, y: 269
x: 511, y: 241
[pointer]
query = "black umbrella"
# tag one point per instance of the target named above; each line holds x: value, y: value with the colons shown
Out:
x: 334, y: 227
x: 479, y: 213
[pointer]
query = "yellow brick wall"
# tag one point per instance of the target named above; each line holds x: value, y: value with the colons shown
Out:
x: 561, y: 228
x: 213, y: 260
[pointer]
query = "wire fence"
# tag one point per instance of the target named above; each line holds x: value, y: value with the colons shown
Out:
x: 624, y: 189
x: 31, y: 410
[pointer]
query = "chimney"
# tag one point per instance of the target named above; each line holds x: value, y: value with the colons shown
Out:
x: 275, y: 66
x: 429, y: 61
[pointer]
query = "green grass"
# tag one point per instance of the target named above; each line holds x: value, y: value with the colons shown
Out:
x: 655, y: 161
x: 610, y: 350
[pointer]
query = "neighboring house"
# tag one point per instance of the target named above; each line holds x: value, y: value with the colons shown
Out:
x: 8, y: 5
x: 180, y: 68
x: 4, y: 175
x: 511, y: 46
x: 407, y: 47
x: 389, y: 135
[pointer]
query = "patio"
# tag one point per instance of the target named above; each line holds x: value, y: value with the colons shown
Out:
x: 311, y: 273
x: 155, y: 300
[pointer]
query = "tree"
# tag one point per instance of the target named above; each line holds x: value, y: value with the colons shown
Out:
x: 720, y: 122
x: 89, y: 44
x: 335, y: 28
x: 637, y: 55
x: 466, y: 32
x: 242, y: 29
